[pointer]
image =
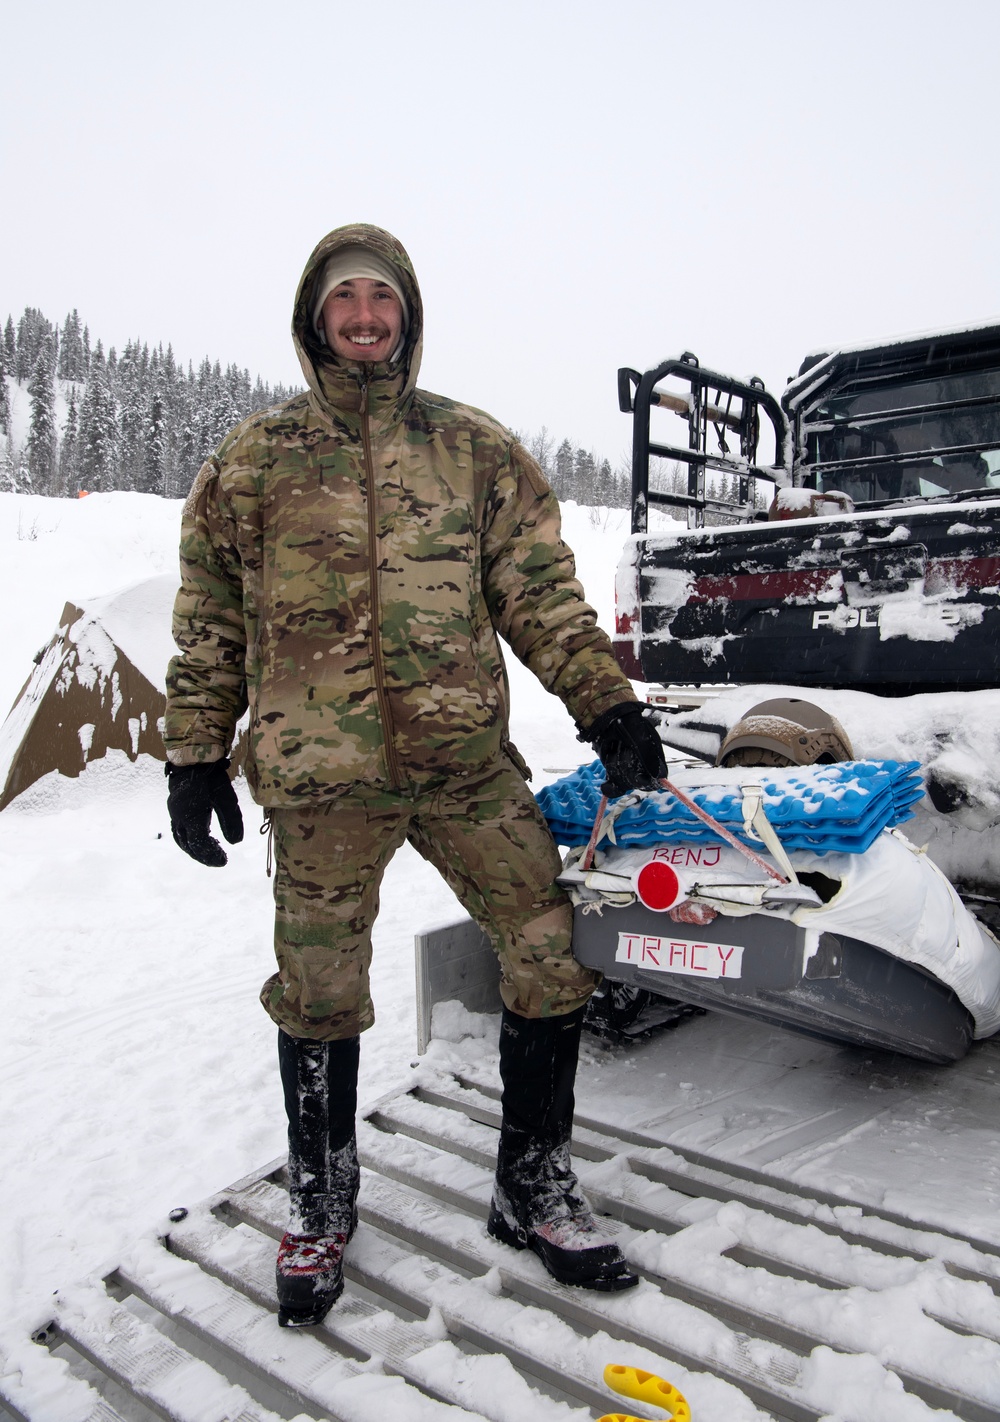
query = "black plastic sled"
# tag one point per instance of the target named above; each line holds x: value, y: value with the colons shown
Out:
x: 830, y: 986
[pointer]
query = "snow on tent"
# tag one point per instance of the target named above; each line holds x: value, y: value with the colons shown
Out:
x: 97, y: 687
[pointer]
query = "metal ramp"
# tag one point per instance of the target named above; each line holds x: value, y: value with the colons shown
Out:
x: 761, y: 1296
x: 438, y: 1314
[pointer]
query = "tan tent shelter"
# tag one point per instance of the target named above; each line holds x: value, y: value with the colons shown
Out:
x: 97, y: 686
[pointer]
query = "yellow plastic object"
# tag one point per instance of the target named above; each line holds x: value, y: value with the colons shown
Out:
x: 644, y: 1387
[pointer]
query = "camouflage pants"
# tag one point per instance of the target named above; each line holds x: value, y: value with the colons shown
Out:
x: 487, y: 837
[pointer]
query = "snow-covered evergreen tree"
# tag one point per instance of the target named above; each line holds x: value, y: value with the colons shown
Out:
x: 156, y: 439
x: 21, y: 473
x: 32, y: 330
x: 177, y: 419
x: 40, y: 449
x: 4, y: 395
x: 186, y: 436
x: 72, y: 364
x: 204, y: 391
x: 562, y: 483
x: 261, y: 396
x: 69, y: 451
x: 579, y: 474
x: 221, y: 411
x: 8, y: 478
x: 240, y: 393
x: 137, y: 421
x: 133, y: 406
x: 98, y: 460
x: 604, y: 483
x: 584, y: 478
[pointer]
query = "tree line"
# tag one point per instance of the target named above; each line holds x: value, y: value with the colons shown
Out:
x: 136, y: 421
x: 140, y: 421
x: 580, y: 474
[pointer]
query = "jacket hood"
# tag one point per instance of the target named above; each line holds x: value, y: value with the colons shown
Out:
x: 335, y: 383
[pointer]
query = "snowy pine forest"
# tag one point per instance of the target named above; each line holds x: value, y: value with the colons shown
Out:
x: 97, y: 421
x: 75, y: 418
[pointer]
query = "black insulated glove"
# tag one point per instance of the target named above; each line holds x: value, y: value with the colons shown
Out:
x: 629, y: 748
x: 194, y: 792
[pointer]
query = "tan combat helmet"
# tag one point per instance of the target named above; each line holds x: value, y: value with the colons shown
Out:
x: 785, y: 731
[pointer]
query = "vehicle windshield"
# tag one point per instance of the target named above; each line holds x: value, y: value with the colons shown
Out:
x: 921, y: 439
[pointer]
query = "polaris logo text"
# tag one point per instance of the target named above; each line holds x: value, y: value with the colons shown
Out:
x: 845, y: 618
x: 677, y: 955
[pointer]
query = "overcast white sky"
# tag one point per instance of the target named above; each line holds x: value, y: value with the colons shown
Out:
x: 581, y: 185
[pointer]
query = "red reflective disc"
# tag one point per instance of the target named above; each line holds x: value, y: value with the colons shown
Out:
x: 657, y: 885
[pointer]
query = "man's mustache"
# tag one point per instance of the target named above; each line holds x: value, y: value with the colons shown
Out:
x: 371, y: 330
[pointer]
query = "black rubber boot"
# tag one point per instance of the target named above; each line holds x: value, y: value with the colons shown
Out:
x: 537, y: 1200
x: 320, y: 1081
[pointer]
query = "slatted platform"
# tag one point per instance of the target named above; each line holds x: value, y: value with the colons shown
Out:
x: 739, y: 1272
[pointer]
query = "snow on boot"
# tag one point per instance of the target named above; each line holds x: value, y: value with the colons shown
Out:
x: 309, y: 1273
x: 538, y: 1205
x: 309, y: 1276
x: 320, y: 1086
x: 537, y: 1200
x: 324, y: 1198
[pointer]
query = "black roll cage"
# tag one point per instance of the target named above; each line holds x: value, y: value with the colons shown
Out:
x: 710, y: 403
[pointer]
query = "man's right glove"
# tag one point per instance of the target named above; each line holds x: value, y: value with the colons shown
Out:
x: 629, y: 749
x: 194, y: 792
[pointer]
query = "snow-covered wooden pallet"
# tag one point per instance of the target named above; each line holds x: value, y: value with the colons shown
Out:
x: 759, y: 1299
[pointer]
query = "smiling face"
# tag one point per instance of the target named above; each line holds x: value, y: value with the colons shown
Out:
x: 362, y: 320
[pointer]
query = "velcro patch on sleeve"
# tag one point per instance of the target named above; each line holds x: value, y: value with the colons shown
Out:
x: 209, y: 470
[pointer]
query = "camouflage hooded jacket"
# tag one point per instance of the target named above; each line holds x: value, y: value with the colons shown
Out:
x: 347, y: 561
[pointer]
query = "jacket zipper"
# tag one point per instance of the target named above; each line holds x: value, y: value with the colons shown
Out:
x: 392, y: 764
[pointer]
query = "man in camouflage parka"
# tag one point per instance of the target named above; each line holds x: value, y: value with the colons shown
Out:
x: 349, y: 561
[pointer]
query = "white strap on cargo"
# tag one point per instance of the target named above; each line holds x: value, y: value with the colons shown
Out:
x: 608, y: 821
x: 604, y: 827
x: 757, y: 826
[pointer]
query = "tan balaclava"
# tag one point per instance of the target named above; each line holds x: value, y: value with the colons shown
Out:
x: 348, y: 264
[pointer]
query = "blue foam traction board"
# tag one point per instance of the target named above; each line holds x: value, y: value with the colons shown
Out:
x: 839, y: 808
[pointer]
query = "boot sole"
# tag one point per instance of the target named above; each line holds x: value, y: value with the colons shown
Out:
x: 601, y: 1276
x: 307, y: 1315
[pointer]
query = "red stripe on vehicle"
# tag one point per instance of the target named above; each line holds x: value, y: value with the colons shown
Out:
x: 765, y: 587
x: 961, y: 573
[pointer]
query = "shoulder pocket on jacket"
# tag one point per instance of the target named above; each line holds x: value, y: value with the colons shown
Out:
x: 523, y: 463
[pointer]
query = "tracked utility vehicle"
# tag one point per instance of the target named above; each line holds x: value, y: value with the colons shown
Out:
x: 865, y: 555
x: 842, y: 545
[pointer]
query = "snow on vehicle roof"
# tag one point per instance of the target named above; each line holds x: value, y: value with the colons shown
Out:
x: 826, y: 354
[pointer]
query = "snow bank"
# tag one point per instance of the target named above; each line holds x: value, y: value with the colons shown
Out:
x: 53, y: 551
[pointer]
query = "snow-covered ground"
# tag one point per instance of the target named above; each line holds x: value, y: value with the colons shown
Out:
x: 139, y: 1070
x: 138, y: 1067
